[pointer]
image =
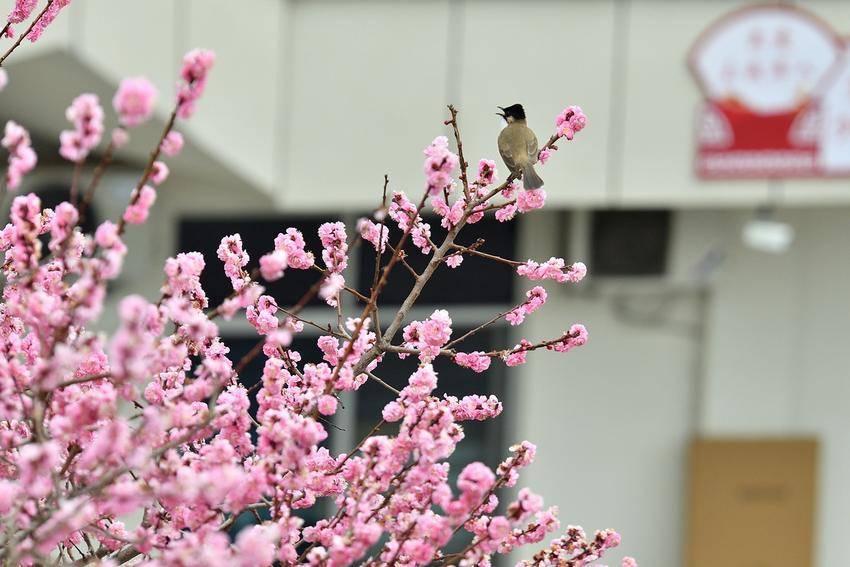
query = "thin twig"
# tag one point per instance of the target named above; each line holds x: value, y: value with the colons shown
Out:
x: 26, y: 33
x: 384, y: 384
x: 134, y: 196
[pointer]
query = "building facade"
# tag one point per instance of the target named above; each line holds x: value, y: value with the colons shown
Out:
x: 312, y: 102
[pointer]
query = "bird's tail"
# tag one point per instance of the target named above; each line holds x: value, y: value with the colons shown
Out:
x: 530, y: 179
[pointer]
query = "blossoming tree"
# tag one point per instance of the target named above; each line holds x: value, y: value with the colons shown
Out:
x: 138, y: 448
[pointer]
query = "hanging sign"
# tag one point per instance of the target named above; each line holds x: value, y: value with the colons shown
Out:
x: 776, y: 83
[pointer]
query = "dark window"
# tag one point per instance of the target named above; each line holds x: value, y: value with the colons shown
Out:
x: 476, y: 281
x: 204, y: 235
x: 630, y: 243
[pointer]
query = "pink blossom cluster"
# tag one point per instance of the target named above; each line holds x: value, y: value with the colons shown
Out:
x: 427, y: 337
x: 530, y: 199
x: 235, y: 258
x: 21, y: 11
x: 487, y: 173
x: 184, y: 278
x: 46, y: 19
x: 439, y: 165
x: 137, y: 212
x: 553, y: 269
x: 196, y: 67
x: 263, y: 315
x: 159, y: 172
x: 143, y: 446
x: 475, y: 407
x: 335, y: 256
x: 451, y: 215
x: 536, y: 297
x: 134, y: 101
x: 334, y: 246
x: 406, y: 216
x: 517, y: 355
x: 22, y: 158
x: 454, y: 260
x: 289, y: 252
x: 86, y: 114
x: 575, y: 548
x: 476, y: 361
x: 570, y: 121
x: 576, y: 336
x: 172, y: 144
x: 4, y: 79
x: 374, y: 233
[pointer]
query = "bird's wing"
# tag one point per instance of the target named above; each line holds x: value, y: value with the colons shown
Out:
x: 531, y: 145
x: 505, y: 151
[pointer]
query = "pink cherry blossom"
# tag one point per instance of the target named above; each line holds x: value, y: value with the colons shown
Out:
x: 375, y: 234
x: 137, y: 213
x: 576, y: 336
x: 486, y: 172
x: 159, y: 173
x: 477, y: 361
x: 293, y: 244
x: 22, y: 158
x: 440, y: 163
x: 570, y: 121
x: 47, y: 19
x: 554, y: 269
x: 86, y: 115
x: 506, y: 213
x: 119, y: 137
x: 21, y: 11
x: 156, y: 423
x: 273, y: 264
x: 335, y: 247
x: 536, y: 297
x: 231, y: 252
x: 262, y: 315
x: 454, y: 260
x: 134, y: 101
x: 172, y: 144
x: 331, y: 287
x: 196, y: 67
x: 529, y: 200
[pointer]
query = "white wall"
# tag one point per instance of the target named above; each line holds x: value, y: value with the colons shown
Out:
x: 368, y: 81
x: 756, y: 348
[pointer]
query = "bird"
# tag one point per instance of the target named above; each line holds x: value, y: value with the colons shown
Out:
x: 518, y: 146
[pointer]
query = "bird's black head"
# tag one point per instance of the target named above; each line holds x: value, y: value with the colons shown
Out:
x: 512, y: 112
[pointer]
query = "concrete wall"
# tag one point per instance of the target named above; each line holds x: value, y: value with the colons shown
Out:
x: 368, y: 82
x: 755, y: 347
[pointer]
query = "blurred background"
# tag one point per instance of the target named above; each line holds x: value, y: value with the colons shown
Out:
x: 709, y: 197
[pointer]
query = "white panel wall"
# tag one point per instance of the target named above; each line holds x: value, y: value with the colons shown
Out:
x: 368, y: 85
x: 126, y: 38
x: 367, y: 82
x: 778, y: 361
x: 546, y: 59
x: 612, y: 419
x: 766, y: 354
x: 245, y: 95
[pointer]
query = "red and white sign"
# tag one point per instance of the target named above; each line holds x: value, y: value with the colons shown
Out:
x: 776, y: 81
